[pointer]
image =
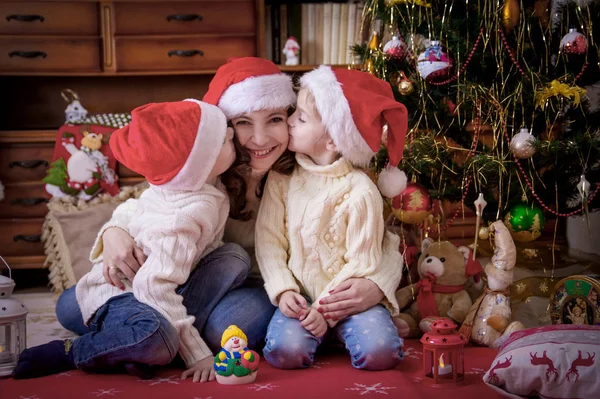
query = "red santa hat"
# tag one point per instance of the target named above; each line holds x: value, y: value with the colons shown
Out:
x: 249, y: 84
x: 174, y: 145
x: 354, y: 107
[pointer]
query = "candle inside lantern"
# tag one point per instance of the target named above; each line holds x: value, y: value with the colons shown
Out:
x: 443, y: 368
x: 5, y: 357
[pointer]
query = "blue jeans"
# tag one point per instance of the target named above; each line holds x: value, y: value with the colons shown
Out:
x: 370, y: 337
x: 215, y: 293
x: 122, y: 331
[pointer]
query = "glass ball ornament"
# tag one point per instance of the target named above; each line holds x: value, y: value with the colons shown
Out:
x: 525, y: 222
x: 404, y: 85
x: 483, y: 233
x: 523, y: 144
x: 574, y: 43
x: 434, y: 63
x: 396, y: 48
x: 413, y: 205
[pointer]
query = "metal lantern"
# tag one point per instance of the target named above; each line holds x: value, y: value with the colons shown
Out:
x: 12, y: 325
x: 443, y: 354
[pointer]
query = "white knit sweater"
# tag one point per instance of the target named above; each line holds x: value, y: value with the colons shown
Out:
x: 175, y: 230
x: 319, y: 227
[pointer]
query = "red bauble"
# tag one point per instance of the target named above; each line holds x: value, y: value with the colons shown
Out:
x: 396, y: 48
x: 413, y: 205
x: 574, y: 43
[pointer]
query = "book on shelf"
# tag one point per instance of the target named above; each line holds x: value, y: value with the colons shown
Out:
x: 326, y: 31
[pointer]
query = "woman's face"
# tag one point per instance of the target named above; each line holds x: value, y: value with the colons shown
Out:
x: 264, y: 134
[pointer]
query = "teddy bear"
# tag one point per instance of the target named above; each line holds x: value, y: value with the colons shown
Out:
x: 444, y: 269
x: 488, y: 322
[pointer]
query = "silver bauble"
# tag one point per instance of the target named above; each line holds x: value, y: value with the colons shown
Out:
x: 523, y: 144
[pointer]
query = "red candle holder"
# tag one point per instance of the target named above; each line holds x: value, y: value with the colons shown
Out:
x: 443, y: 354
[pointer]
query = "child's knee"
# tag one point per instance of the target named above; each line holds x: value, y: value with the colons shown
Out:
x: 290, y: 350
x: 382, y: 354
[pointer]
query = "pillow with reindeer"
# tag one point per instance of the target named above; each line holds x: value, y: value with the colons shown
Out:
x: 558, y: 361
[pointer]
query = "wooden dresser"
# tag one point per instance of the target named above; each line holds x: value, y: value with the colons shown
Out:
x: 116, y: 55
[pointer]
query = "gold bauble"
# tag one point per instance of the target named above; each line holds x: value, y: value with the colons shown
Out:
x: 511, y: 15
x: 375, y: 41
x: 406, y: 87
x: 484, y: 233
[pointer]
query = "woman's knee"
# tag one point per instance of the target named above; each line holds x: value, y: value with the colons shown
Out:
x: 68, y: 312
x: 158, y: 339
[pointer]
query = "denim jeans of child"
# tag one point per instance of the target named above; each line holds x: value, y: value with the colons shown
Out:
x: 370, y: 337
x: 216, y: 293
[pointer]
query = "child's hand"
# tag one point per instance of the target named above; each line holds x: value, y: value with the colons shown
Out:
x: 315, y: 323
x: 292, y: 305
x: 202, y: 371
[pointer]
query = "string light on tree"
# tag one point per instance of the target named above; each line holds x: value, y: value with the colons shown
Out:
x: 522, y: 144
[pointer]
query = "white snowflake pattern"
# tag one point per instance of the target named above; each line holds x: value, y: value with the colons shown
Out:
x: 381, y: 342
x: 365, y: 389
x: 318, y: 365
x: 29, y: 397
x: 208, y: 397
x: 260, y: 387
x: 476, y: 370
x: 65, y: 374
x: 174, y: 379
x: 372, y: 320
x: 279, y: 321
x: 357, y: 347
x: 412, y: 353
x: 102, y: 392
x: 521, y: 287
x: 288, y: 331
x: 543, y: 286
x: 365, y: 332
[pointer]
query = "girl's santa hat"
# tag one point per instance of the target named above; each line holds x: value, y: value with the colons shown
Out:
x: 355, y: 106
x: 249, y: 84
x: 174, y: 145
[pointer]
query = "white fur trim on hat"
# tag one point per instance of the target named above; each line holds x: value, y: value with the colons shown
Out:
x: 258, y: 93
x: 207, y: 146
x: 336, y: 115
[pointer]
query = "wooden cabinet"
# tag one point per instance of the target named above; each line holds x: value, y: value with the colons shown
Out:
x: 116, y: 55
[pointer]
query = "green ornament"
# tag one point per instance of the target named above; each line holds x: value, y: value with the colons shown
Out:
x: 525, y: 222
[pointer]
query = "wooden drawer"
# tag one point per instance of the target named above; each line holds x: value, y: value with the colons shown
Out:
x: 24, y: 200
x: 230, y: 17
x: 24, y: 162
x: 48, y: 18
x: 22, y: 54
x: 21, y: 237
x: 180, y: 53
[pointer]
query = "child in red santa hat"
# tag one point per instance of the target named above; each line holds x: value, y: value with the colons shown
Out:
x: 181, y: 148
x: 324, y: 224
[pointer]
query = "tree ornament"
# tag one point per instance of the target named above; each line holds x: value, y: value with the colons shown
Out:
x: 511, y: 14
x: 374, y: 42
x: 434, y: 63
x: 574, y: 43
x: 480, y: 204
x: 369, y: 66
x: 525, y: 222
x: 396, y: 49
x: 484, y: 233
x: 404, y: 85
x: 523, y: 144
x: 413, y: 205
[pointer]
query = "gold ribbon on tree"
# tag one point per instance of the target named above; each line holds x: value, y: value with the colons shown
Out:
x: 421, y: 3
x: 555, y: 89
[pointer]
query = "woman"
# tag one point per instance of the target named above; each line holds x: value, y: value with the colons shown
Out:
x: 256, y: 97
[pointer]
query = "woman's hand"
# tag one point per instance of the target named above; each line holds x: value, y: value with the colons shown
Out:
x: 122, y: 258
x: 353, y: 296
x: 202, y: 371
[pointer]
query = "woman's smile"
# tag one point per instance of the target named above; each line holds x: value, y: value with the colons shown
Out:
x: 264, y: 153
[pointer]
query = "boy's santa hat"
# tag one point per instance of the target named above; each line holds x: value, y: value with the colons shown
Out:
x: 355, y: 106
x: 249, y: 84
x: 174, y: 145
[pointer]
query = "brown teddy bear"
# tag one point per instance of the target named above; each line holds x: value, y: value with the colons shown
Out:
x: 444, y: 269
x: 489, y: 320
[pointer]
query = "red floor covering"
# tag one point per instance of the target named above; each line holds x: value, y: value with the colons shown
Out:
x: 331, y: 376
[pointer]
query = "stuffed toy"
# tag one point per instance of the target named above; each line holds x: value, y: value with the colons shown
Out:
x: 444, y: 269
x: 235, y: 364
x: 489, y: 320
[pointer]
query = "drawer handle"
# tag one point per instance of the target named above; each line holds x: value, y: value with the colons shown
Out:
x: 28, y: 164
x: 27, y: 54
x: 184, y: 17
x: 29, y: 201
x: 21, y: 237
x: 186, y: 53
x: 25, y: 17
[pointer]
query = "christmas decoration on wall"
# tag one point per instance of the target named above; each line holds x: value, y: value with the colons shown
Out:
x: 396, y: 48
x: 574, y: 43
x: 525, y: 222
x: 434, y: 63
x: 511, y: 14
x: 413, y: 205
x: 522, y: 144
x: 291, y: 50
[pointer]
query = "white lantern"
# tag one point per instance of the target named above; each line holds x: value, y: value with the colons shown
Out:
x: 12, y: 325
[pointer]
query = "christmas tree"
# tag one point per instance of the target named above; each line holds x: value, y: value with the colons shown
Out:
x: 500, y: 99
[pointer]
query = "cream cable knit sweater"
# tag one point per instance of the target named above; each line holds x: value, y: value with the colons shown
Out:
x: 319, y: 227
x: 175, y: 230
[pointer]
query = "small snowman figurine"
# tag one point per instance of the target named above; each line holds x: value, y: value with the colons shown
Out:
x: 291, y: 51
x: 235, y: 364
